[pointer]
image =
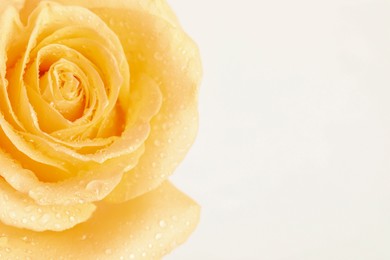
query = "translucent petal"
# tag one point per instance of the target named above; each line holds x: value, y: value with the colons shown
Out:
x: 18, y: 210
x: 147, y: 227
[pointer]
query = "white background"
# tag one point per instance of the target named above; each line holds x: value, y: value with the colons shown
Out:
x: 292, y: 161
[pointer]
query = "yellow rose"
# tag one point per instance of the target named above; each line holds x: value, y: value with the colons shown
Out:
x: 98, y: 105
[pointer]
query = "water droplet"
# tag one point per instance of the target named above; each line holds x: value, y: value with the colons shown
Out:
x: 163, y: 223
x: 96, y: 187
x: 108, y: 251
x: 157, y: 142
x: 132, y: 256
x: 45, y: 218
x: 72, y: 219
x: 158, y: 236
x: 12, y: 214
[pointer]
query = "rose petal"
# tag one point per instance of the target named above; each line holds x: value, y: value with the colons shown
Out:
x: 156, y: 48
x: 155, y: 7
x: 18, y: 210
x: 88, y: 186
x: 18, y: 4
x: 146, y: 100
x: 149, y: 227
x: 10, y: 28
x: 145, y: 103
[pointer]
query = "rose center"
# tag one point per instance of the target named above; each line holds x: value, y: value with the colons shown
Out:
x: 63, y: 89
x: 69, y: 86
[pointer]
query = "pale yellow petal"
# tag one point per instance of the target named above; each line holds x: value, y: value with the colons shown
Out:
x: 10, y: 28
x: 147, y: 227
x: 18, y: 4
x: 145, y: 101
x: 155, y: 7
x: 18, y: 210
x: 88, y: 185
x: 165, y: 53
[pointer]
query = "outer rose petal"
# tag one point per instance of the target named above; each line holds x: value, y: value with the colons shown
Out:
x: 156, y: 7
x: 148, y: 227
x: 18, y: 210
x: 165, y: 53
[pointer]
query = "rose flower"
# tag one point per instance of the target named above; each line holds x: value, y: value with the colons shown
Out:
x: 98, y: 105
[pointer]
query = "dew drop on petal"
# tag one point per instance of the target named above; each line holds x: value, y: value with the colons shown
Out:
x: 158, y: 236
x: 163, y: 223
x: 12, y: 214
x: 96, y: 187
x: 45, y: 218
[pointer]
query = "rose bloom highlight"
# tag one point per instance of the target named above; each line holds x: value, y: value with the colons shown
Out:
x: 98, y: 105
